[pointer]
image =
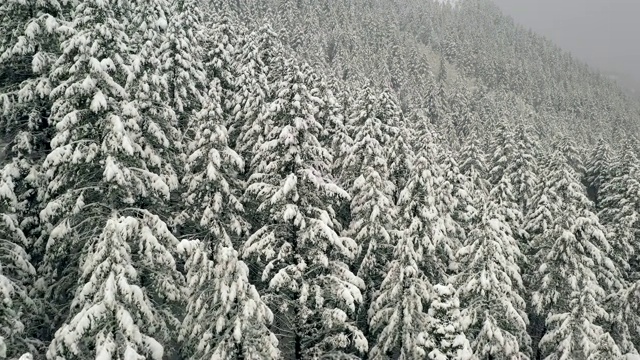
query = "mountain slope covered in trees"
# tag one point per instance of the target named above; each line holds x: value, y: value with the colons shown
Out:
x: 305, y: 179
x: 484, y: 62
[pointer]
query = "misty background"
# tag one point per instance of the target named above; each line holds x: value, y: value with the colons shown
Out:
x: 602, y: 33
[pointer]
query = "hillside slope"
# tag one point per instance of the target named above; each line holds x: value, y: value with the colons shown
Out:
x: 401, y: 45
x: 433, y: 182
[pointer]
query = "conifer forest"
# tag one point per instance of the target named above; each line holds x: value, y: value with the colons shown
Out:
x: 310, y: 179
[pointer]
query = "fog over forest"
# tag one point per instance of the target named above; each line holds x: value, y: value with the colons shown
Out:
x: 604, y: 33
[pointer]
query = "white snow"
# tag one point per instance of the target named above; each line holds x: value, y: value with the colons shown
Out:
x: 99, y: 102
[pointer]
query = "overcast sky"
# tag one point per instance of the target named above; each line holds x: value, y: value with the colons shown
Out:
x: 604, y: 33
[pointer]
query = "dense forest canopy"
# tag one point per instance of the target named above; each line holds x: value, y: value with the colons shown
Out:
x: 298, y: 179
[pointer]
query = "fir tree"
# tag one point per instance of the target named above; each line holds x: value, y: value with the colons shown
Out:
x: 211, y: 210
x: 226, y: 319
x: 392, y: 132
x: 624, y: 318
x: 620, y: 203
x: 514, y: 172
x: 181, y: 59
x: 445, y: 333
x: 525, y: 168
x: 454, y: 201
x: 261, y: 65
x: 574, y: 334
x: 473, y: 165
x: 607, y: 349
x: 490, y: 288
x: 573, y: 269
x: 303, y: 260
x: 372, y: 212
x: 598, y: 171
x: 16, y: 273
x: 477, y: 187
x: 398, y: 315
x: 107, y: 169
x: 423, y: 223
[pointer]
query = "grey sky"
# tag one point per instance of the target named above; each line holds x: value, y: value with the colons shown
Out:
x: 604, y: 33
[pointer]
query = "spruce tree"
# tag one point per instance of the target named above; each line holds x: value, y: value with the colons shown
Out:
x: 624, y: 318
x: 219, y: 288
x: 620, y: 206
x: 261, y: 63
x: 423, y: 223
x: 445, y: 332
x: 454, y: 201
x: 474, y: 169
x: 473, y: 165
x: 16, y: 273
x: 182, y: 60
x: 225, y: 317
x: 211, y: 209
x: 372, y: 211
x: 109, y: 170
x: 513, y: 158
x: 606, y: 349
x: 598, y: 171
x: 303, y: 261
x: 525, y: 167
x: 573, y: 270
x: 491, y: 288
x: 393, y: 133
x: 398, y: 315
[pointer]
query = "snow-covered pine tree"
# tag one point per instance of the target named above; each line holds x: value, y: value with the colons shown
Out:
x: 624, y: 318
x: 572, y: 154
x: 573, y: 268
x: 525, y: 167
x: 473, y: 164
x: 503, y: 194
x: 606, y: 349
x: 29, y: 44
x: 28, y: 47
x: 392, y: 136
x: 261, y: 61
x: 220, y: 292
x: 620, y: 204
x: 182, y: 60
x: 490, y: 288
x: 598, y: 171
x: 620, y: 214
x: 436, y: 102
x: 109, y: 169
x: 422, y: 222
x: 147, y: 84
x: 222, y: 40
x: 225, y: 317
x: 574, y: 334
x: 398, y: 315
x: 16, y: 272
x: 400, y: 154
x: 211, y: 209
x: 372, y: 216
x: 454, y: 200
x: 514, y: 172
x: 335, y: 136
x: 546, y: 206
x: 473, y: 167
x: 445, y: 337
x: 303, y: 260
